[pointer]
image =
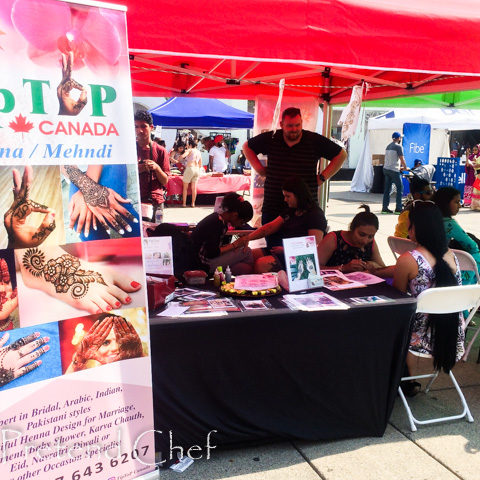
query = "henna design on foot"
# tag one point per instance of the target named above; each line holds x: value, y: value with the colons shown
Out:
x: 63, y: 272
x: 95, y: 195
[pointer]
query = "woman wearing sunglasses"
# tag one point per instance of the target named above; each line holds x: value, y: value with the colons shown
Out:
x: 430, y: 264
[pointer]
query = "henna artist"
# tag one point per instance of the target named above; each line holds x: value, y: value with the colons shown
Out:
x: 82, y: 218
x: 104, y: 203
x: 16, y: 358
x: 20, y: 233
x: 110, y: 339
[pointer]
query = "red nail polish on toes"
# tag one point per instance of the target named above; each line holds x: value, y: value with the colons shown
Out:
x: 135, y: 284
x: 99, y: 311
x: 118, y: 304
x: 128, y: 300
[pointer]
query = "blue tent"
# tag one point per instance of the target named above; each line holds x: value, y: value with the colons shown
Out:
x: 184, y: 112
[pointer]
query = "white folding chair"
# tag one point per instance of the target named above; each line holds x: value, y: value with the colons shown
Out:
x: 400, y: 245
x: 468, y: 263
x: 443, y: 300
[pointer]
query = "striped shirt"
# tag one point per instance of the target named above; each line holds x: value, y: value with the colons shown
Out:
x: 284, y: 162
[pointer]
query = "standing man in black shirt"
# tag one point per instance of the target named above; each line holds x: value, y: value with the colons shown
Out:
x: 291, y: 151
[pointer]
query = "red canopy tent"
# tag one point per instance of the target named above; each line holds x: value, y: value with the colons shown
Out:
x: 242, y: 48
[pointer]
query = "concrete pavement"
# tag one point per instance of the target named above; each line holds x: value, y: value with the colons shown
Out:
x: 446, y: 451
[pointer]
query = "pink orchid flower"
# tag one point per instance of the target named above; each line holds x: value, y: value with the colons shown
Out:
x: 52, y: 27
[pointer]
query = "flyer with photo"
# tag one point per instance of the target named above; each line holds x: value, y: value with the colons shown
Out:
x: 255, y: 304
x: 301, y: 259
x: 158, y: 255
x: 364, y: 277
x: 370, y: 299
x: 256, y: 282
x: 335, y: 280
x: 315, y: 301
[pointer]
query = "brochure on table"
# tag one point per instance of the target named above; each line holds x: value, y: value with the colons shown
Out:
x: 158, y: 255
x: 301, y: 259
x: 75, y: 372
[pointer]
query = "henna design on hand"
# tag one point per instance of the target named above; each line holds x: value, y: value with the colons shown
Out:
x: 6, y: 375
x: 15, y: 358
x: 44, y: 231
x: 95, y: 195
x: 63, y: 272
x: 67, y: 104
x: 20, y: 234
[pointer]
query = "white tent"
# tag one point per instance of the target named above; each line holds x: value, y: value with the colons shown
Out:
x: 380, y: 129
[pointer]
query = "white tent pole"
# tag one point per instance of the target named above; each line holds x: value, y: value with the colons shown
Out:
x: 326, y: 129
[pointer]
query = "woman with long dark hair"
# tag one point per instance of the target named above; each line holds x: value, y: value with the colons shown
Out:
x: 302, y: 217
x: 430, y: 264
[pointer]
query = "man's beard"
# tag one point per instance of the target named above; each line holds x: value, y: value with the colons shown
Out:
x: 293, y: 135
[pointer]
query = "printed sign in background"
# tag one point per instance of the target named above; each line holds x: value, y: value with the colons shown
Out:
x: 75, y: 379
x: 416, y: 146
x: 449, y: 173
x: 416, y: 142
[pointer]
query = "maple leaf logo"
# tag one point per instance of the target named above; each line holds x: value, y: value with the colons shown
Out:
x: 20, y: 125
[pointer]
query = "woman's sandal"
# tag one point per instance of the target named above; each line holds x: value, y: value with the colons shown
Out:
x: 410, y: 388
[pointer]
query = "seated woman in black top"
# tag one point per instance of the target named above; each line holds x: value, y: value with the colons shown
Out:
x: 355, y: 249
x: 302, y: 217
x: 207, y: 238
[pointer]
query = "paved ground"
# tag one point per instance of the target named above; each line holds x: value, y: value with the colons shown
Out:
x: 441, y: 452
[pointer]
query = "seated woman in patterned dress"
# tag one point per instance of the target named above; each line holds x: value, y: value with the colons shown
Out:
x: 431, y: 264
x: 353, y: 250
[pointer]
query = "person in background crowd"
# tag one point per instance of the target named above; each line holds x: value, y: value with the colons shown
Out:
x: 431, y: 264
x: 177, y: 155
x: 160, y: 142
x: 353, y: 250
x: 394, y: 163
x: 448, y: 201
x: 153, y: 164
x: 420, y: 190
x: 219, y: 156
x: 469, y: 175
x: 475, y: 204
x: 291, y: 151
x: 423, y: 171
x: 241, y: 162
x: 193, y: 165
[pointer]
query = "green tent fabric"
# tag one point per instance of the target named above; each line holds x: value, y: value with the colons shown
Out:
x: 468, y: 99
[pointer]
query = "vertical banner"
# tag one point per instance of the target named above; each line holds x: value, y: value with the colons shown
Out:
x: 75, y: 380
x: 416, y: 142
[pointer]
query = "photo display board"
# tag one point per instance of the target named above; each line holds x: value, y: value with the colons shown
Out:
x: 75, y: 378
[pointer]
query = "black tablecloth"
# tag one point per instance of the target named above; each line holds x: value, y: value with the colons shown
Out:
x: 279, y: 374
